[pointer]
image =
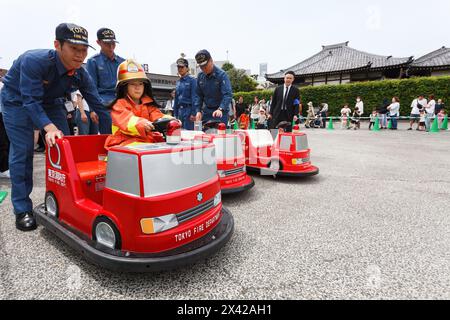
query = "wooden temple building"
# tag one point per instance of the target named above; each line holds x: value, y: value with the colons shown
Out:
x: 339, y: 64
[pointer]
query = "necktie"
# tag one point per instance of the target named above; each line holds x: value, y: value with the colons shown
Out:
x: 284, y: 99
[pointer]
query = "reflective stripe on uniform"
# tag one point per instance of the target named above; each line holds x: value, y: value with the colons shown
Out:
x: 132, y: 126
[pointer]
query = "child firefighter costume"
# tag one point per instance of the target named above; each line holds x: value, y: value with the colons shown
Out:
x: 132, y: 116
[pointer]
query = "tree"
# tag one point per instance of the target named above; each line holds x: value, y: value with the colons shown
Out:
x: 240, y: 81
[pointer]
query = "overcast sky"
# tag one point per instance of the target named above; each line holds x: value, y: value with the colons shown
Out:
x: 279, y: 32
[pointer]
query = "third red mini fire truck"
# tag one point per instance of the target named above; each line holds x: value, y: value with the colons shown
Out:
x: 288, y: 154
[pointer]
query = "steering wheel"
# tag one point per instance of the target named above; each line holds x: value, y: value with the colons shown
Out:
x: 284, y: 125
x: 211, y: 124
x: 161, y: 124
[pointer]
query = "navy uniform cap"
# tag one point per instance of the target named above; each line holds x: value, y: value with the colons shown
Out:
x: 182, y: 62
x: 72, y: 33
x: 202, y: 57
x: 106, y: 35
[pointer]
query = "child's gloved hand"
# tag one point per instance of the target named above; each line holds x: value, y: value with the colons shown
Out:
x: 149, y: 126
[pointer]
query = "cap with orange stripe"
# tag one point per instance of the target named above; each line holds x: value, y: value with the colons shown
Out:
x: 130, y: 70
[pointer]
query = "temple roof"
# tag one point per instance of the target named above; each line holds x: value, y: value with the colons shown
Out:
x: 435, y: 59
x: 338, y: 58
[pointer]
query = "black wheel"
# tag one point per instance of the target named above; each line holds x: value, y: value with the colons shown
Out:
x: 51, y: 205
x: 106, y: 234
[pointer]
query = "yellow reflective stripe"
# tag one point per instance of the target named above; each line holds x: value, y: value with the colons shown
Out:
x: 168, y: 117
x: 115, y: 129
x: 132, y: 126
x: 136, y: 144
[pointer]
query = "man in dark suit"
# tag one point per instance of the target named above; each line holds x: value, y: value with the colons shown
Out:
x: 286, y: 102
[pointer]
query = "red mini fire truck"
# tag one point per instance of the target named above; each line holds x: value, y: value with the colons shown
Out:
x: 229, y: 156
x: 286, y: 155
x: 149, y: 207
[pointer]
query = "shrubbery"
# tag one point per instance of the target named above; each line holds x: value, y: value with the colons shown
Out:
x: 373, y: 93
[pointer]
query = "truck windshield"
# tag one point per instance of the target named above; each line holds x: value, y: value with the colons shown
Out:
x: 123, y: 173
x: 167, y: 173
x: 227, y: 148
x: 301, y: 143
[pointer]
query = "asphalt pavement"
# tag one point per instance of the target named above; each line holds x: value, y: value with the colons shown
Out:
x: 374, y: 224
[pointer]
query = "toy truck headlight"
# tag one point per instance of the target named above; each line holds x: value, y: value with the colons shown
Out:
x: 218, y: 199
x: 158, y: 225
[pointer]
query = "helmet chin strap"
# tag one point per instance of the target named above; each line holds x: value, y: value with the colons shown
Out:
x: 131, y: 99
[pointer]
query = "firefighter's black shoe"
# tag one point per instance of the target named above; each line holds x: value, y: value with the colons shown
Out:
x: 26, y: 222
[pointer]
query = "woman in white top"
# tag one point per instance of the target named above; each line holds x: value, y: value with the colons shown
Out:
x: 394, y: 112
x: 254, y: 109
x: 429, y: 109
x: 359, y: 105
x: 169, y: 104
x: 86, y: 120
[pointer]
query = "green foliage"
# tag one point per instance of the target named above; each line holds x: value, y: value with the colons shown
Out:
x: 373, y: 93
x: 240, y: 81
x: 227, y: 66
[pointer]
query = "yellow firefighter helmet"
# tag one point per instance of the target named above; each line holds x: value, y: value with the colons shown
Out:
x: 130, y: 70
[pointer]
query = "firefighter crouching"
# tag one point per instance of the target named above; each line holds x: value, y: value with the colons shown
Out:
x: 134, y: 110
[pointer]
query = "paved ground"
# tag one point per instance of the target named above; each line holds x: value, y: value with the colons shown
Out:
x: 375, y: 224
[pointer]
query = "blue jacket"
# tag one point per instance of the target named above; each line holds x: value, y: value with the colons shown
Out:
x: 214, y: 91
x: 0, y: 98
x: 38, y: 80
x: 104, y: 73
x: 186, y: 94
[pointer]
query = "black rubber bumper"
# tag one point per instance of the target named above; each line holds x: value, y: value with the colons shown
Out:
x: 123, y: 262
x: 240, y: 189
x: 281, y: 173
x: 298, y: 174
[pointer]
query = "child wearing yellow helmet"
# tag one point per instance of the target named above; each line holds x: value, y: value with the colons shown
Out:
x: 134, y: 110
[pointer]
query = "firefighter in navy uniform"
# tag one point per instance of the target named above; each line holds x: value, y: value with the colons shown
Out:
x: 213, y: 90
x: 103, y: 66
x: 33, y: 96
x: 185, y: 96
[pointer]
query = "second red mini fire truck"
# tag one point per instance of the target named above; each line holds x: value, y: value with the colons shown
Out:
x: 229, y: 156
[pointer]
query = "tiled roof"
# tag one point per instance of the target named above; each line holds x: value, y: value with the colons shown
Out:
x: 340, y: 57
x: 435, y: 59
